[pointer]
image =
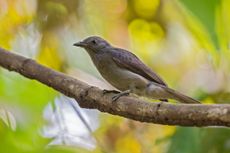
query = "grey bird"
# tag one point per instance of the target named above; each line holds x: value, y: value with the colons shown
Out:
x: 126, y: 72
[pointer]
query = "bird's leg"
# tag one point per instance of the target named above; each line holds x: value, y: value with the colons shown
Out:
x: 110, y: 91
x: 123, y: 93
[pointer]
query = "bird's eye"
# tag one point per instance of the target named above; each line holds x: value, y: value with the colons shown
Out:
x: 94, y: 42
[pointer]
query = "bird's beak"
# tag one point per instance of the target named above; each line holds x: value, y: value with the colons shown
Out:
x: 80, y: 44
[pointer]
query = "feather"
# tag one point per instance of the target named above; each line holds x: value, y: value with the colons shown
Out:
x: 127, y: 60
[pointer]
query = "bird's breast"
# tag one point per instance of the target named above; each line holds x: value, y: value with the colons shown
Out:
x: 120, y: 78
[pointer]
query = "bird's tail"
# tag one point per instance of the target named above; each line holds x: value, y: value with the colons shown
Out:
x: 181, y: 97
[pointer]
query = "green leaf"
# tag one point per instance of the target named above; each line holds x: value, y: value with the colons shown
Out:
x: 216, y: 139
x: 185, y: 140
x: 205, y: 11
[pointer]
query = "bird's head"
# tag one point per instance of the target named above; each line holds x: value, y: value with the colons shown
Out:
x: 93, y: 43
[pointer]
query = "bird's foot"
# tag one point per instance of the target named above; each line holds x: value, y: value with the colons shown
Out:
x: 117, y: 96
x: 110, y: 91
x: 164, y: 100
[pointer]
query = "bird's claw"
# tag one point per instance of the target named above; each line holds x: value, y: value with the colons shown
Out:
x: 114, y: 98
x: 110, y: 91
x: 117, y: 96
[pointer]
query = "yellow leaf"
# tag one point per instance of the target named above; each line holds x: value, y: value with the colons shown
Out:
x: 128, y: 144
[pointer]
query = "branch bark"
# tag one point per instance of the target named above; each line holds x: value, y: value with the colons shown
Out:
x: 129, y: 107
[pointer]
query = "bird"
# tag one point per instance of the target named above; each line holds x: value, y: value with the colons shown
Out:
x: 127, y: 73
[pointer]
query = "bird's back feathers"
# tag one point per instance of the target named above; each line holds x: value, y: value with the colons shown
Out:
x: 128, y: 60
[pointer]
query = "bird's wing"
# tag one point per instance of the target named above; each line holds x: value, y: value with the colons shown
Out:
x: 128, y: 60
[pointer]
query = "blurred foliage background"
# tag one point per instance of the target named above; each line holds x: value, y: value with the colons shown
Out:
x: 186, y: 41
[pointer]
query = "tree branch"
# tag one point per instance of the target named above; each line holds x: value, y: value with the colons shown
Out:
x: 129, y: 107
